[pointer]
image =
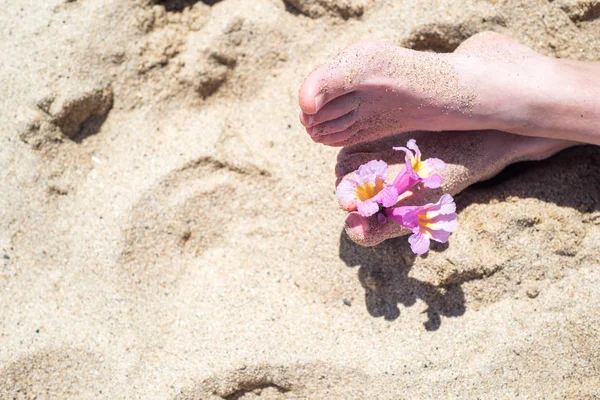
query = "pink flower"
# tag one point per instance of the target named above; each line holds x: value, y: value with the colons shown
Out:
x: 429, y: 222
x: 418, y: 170
x: 368, y: 190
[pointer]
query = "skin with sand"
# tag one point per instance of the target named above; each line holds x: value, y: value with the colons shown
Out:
x: 491, y: 103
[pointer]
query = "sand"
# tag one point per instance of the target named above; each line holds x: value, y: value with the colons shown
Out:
x: 169, y: 231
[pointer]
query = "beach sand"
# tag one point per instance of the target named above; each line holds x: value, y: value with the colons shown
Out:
x: 169, y: 231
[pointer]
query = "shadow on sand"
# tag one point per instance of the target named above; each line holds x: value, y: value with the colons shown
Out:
x: 569, y: 179
x: 384, y: 272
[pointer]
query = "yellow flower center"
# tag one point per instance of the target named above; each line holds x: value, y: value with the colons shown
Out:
x: 419, y: 167
x: 425, y: 223
x: 369, y: 190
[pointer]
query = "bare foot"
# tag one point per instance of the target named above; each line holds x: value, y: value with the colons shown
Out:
x: 470, y: 157
x: 373, y: 89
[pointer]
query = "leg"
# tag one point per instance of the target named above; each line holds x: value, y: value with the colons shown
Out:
x: 373, y: 89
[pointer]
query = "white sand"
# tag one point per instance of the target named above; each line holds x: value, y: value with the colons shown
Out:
x: 169, y: 231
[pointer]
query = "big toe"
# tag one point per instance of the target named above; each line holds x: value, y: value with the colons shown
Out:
x: 320, y: 87
x: 338, y: 77
x: 312, y: 88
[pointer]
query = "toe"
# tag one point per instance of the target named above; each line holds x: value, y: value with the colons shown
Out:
x: 311, y: 88
x: 369, y: 232
x: 337, y: 78
x: 331, y: 111
x: 337, y: 139
x: 330, y: 127
x: 322, y: 86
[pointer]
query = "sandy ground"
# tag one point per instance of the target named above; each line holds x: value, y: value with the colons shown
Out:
x: 169, y: 231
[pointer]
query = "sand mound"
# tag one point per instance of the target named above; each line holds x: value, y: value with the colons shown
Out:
x: 168, y: 231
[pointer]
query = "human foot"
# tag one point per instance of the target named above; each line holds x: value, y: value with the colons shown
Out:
x: 470, y: 157
x: 373, y: 89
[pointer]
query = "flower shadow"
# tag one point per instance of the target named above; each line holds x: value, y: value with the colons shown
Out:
x: 384, y: 274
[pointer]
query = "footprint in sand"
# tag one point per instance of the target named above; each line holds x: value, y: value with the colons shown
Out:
x: 188, y: 212
x: 166, y: 26
x: 235, y: 51
x: 73, y: 115
x: 219, y: 59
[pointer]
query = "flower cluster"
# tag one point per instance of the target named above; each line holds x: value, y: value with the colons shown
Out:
x: 370, y: 193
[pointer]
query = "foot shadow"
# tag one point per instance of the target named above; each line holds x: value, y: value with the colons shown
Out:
x: 383, y: 273
x: 570, y: 178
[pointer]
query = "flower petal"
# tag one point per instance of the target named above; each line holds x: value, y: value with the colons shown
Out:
x: 433, y: 181
x: 441, y: 229
x: 419, y: 243
x: 411, y: 172
x: 447, y: 204
x: 346, y: 191
x: 434, y: 164
x: 367, y: 208
x: 444, y: 221
x: 371, y: 171
x: 387, y: 197
x: 441, y: 235
x: 404, y: 181
x: 405, y: 150
x: 412, y: 144
x: 407, y: 217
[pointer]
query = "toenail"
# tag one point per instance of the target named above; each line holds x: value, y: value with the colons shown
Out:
x: 319, y: 100
x: 316, y: 131
x: 357, y: 226
x: 311, y: 120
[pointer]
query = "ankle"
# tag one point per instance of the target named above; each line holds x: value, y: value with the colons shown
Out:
x: 556, y: 99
